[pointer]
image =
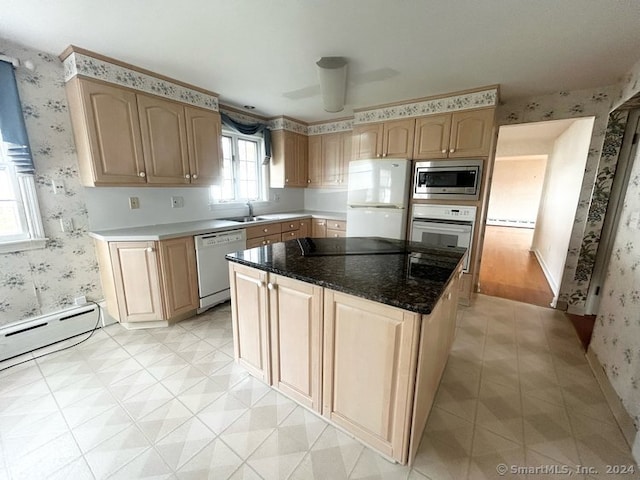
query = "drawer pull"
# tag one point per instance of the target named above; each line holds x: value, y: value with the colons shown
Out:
x: 142, y: 174
x: 265, y: 230
x: 187, y: 176
x: 271, y: 286
x: 149, y: 249
x: 194, y: 176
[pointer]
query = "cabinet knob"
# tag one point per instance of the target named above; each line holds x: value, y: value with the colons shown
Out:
x: 308, y: 180
x: 264, y: 242
x: 452, y: 150
x: 384, y: 154
x: 149, y: 249
x: 291, y: 225
x: 142, y: 174
x: 268, y: 242
x: 378, y: 155
x: 194, y: 176
x: 335, y: 234
x: 286, y: 180
x: 271, y: 286
x: 265, y: 230
x: 187, y: 176
x: 444, y: 150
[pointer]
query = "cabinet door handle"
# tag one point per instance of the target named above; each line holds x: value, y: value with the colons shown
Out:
x: 444, y: 150
x: 452, y: 150
x: 264, y: 242
x: 271, y: 286
x: 384, y: 154
x: 378, y: 155
x: 187, y: 176
x: 142, y: 174
x: 265, y: 230
x: 286, y: 180
x: 194, y: 176
x: 308, y: 180
x: 149, y: 249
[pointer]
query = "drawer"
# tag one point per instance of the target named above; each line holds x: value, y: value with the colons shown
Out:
x: 263, y: 230
x: 260, y: 241
x: 290, y: 235
x: 290, y: 225
x: 336, y: 225
x: 332, y: 233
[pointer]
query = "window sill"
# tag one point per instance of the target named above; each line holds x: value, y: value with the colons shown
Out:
x: 21, y: 245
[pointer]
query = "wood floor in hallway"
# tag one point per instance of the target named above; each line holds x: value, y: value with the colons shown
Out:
x: 510, y: 270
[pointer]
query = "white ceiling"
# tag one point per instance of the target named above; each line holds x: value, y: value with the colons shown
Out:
x: 263, y: 53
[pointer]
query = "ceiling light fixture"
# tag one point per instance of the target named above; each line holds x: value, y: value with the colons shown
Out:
x: 249, y: 107
x: 332, y: 73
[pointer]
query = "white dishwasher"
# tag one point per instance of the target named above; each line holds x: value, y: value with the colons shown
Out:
x: 213, y: 268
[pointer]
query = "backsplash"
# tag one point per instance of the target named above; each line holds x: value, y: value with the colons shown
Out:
x: 42, y: 281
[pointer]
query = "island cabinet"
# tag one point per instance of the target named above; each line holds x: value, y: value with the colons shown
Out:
x: 368, y: 367
x: 389, y: 139
x: 126, y: 137
x: 288, y: 167
x: 454, y: 135
x: 277, y: 331
x: 369, y: 360
x: 149, y: 284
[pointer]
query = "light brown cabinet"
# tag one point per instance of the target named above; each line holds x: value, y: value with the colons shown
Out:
x: 329, y: 156
x: 369, y: 351
x: 453, y: 135
x: 295, y: 316
x: 126, y: 137
x: 329, y: 350
x: 336, y: 228
x: 250, y: 319
x: 288, y: 165
x: 319, y: 228
x: 392, y: 139
x: 267, y: 234
x: 149, y: 281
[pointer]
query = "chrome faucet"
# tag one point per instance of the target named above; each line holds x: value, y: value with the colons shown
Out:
x: 250, y: 205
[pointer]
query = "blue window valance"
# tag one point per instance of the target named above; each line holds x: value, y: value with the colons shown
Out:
x: 12, y: 127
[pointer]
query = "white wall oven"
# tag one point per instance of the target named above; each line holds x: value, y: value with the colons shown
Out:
x: 448, y: 179
x: 444, y: 226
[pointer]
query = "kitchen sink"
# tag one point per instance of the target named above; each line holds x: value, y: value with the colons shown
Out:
x: 244, y: 219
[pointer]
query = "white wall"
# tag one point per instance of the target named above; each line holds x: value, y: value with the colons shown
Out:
x: 560, y: 194
x: 516, y: 187
x: 109, y: 207
x: 327, y: 200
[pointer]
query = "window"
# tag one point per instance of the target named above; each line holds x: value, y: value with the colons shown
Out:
x: 242, y: 171
x: 20, y: 223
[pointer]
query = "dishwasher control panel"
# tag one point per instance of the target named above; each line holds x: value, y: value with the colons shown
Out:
x: 221, y: 238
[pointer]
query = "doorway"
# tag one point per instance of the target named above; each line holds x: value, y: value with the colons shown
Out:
x: 534, y: 191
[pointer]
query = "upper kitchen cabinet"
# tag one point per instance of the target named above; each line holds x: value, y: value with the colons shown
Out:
x: 164, y: 140
x: 289, y: 161
x: 107, y: 132
x: 329, y: 156
x: 453, y: 135
x: 124, y: 137
x: 389, y: 139
x: 204, y: 130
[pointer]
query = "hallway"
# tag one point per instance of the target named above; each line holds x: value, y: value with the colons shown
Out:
x: 510, y: 270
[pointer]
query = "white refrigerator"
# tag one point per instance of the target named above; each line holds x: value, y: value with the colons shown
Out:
x: 378, y: 197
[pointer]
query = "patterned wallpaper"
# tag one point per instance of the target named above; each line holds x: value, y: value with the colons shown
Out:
x: 284, y: 123
x: 597, y: 176
x: 80, y: 64
x: 37, y: 282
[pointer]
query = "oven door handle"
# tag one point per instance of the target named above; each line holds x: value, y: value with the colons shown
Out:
x: 439, y: 228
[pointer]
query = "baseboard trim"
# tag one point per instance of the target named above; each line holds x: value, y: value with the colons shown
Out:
x: 624, y: 420
x: 547, y: 273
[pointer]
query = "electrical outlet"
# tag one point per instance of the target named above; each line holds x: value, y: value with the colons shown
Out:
x: 134, y: 203
x: 66, y: 224
x: 81, y: 300
x: 177, y: 202
x: 58, y: 187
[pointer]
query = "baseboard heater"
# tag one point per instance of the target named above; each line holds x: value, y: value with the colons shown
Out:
x: 505, y: 222
x: 29, y: 335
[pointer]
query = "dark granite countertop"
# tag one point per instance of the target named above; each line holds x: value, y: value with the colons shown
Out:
x: 413, y: 277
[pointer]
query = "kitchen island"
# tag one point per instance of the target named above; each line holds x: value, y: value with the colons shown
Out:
x: 356, y: 329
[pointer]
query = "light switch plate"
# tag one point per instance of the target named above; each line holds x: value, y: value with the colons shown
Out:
x: 58, y: 187
x: 134, y: 203
x: 66, y: 224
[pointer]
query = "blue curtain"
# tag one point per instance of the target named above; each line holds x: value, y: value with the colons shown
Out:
x: 251, y: 129
x: 14, y: 132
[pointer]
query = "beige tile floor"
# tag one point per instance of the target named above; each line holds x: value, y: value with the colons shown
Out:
x: 171, y: 403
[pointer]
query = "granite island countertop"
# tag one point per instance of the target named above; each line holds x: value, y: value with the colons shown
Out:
x: 408, y: 275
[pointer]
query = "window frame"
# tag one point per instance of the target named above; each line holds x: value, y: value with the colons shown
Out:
x: 28, y: 210
x: 262, y: 171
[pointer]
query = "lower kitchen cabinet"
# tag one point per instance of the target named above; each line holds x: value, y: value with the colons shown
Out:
x: 295, y: 316
x: 336, y: 228
x: 369, y: 354
x: 249, y: 319
x: 148, y: 284
x: 319, y: 228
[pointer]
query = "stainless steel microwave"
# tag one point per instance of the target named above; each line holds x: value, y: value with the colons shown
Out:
x: 458, y: 179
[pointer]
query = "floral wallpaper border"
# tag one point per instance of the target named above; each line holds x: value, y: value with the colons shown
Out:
x: 465, y: 101
x: 80, y: 64
x: 284, y: 123
x: 331, y: 127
